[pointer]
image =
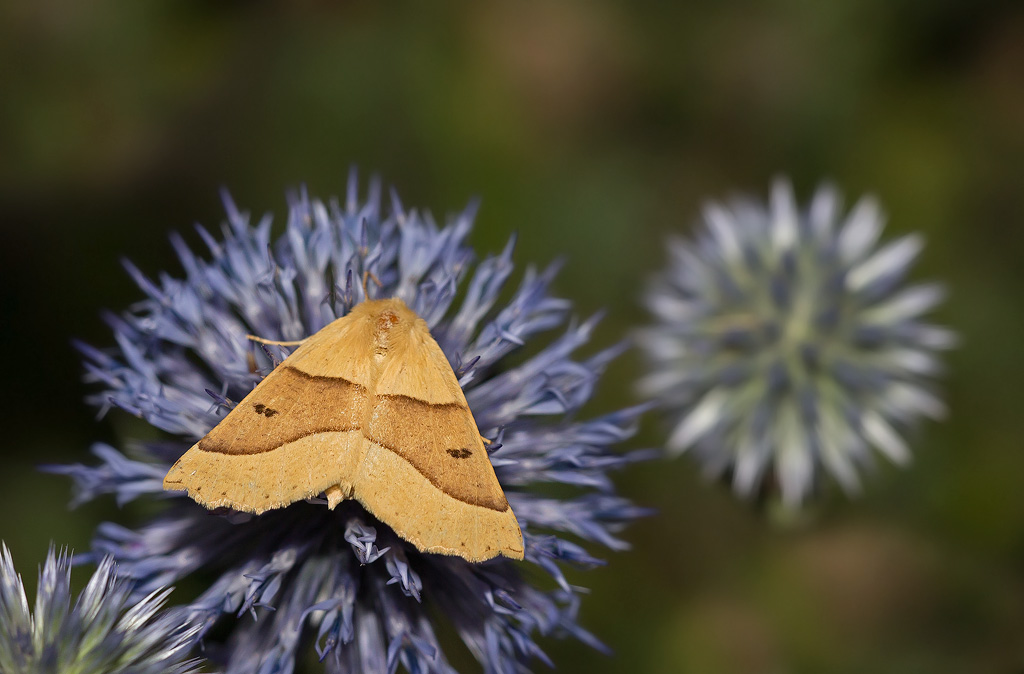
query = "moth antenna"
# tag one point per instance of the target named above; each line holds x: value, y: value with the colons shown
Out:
x: 370, y: 275
x: 274, y: 342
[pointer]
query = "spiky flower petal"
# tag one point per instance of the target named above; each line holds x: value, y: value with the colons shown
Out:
x: 367, y: 598
x: 787, y: 343
x: 102, y: 633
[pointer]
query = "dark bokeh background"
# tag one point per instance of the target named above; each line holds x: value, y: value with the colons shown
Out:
x: 593, y: 128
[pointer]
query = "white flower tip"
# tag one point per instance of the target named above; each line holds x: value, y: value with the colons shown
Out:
x: 882, y: 435
x: 699, y: 421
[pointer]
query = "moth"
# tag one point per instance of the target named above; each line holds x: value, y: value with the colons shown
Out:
x: 368, y: 408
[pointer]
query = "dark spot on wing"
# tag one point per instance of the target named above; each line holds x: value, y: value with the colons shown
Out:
x: 424, y: 434
x: 264, y: 410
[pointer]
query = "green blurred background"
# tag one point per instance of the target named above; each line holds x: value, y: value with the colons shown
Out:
x: 592, y: 128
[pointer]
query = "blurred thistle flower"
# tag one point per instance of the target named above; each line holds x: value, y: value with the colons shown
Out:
x: 368, y: 599
x: 101, y: 634
x: 787, y: 343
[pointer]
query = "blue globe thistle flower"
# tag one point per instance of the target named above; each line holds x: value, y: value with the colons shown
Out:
x: 367, y: 598
x: 102, y: 633
x: 787, y: 343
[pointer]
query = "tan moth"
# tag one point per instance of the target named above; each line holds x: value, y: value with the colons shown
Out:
x: 367, y: 408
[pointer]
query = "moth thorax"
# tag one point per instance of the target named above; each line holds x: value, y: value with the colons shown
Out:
x: 382, y: 333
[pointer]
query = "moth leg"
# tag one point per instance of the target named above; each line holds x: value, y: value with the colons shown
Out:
x: 366, y: 276
x: 335, y: 495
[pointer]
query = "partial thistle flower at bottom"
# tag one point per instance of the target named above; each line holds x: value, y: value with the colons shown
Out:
x: 102, y: 632
x: 366, y: 599
x: 787, y: 343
